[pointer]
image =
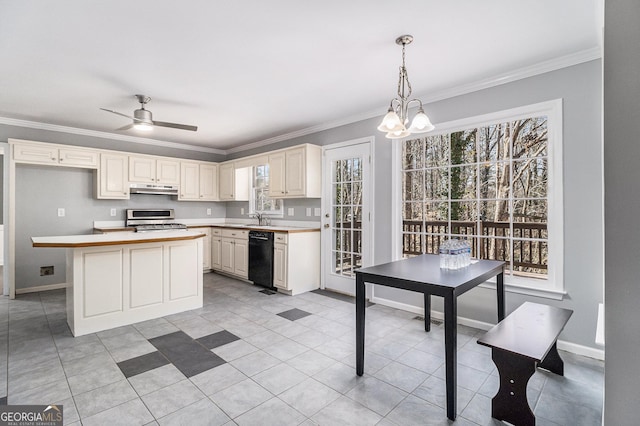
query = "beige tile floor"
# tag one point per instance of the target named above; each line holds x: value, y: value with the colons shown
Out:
x: 278, y: 372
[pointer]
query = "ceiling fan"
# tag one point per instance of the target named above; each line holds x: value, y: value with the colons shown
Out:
x: 143, y: 119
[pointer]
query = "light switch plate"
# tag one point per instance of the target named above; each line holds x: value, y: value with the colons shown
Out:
x: 316, y: 211
x: 112, y: 212
x: 208, y: 212
x: 290, y: 211
x: 61, y: 212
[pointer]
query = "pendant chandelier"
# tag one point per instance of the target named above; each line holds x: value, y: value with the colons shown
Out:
x: 395, y: 121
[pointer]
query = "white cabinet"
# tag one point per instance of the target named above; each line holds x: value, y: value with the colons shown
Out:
x: 55, y: 155
x: 208, y: 174
x: 241, y: 258
x: 82, y: 158
x: 280, y: 265
x: 198, y: 181
x: 234, y: 252
x: 234, y: 182
x: 206, y: 248
x: 112, y: 180
x: 189, y: 181
x: 216, y: 249
x: 115, y: 285
x: 296, y: 172
x: 168, y: 172
x: 143, y: 169
x: 296, y: 261
x: 227, y: 182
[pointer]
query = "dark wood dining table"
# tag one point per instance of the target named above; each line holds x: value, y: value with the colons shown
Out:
x: 423, y: 274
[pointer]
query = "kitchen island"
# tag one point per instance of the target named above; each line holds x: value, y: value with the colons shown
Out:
x: 118, y: 279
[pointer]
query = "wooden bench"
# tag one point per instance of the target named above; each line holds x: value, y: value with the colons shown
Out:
x: 523, y: 340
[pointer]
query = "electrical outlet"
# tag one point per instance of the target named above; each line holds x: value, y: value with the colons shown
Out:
x: 208, y: 212
x: 61, y: 212
x: 112, y: 212
x: 290, y: 211
x: 316, y: 211
x: 241, y: 210
x: 308, y: 211
x: 46, y: 270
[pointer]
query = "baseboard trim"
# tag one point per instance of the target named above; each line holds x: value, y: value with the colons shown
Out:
x: 563, y: 345
x: 39, y: 288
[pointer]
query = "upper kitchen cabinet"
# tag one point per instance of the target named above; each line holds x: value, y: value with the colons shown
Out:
x: 198, y: 181
x: 143, y: 169
x: 234, y: 183
x: 296, y: 172
x: 209, y: 182
x: 112, y: 178
x: 30, y: 152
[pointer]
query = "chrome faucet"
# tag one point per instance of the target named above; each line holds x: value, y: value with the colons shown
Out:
x: 261, y: 218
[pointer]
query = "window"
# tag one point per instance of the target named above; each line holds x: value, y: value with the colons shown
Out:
x: 489, y: 181
x: 259, y: 200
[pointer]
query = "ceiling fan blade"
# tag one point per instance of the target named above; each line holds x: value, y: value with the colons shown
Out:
x: 127, y: 127
x: 118, y: 113
x: 175, y: 125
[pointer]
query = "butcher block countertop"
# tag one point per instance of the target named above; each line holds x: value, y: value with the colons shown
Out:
x: 114, y: 239
x: 270, y: 228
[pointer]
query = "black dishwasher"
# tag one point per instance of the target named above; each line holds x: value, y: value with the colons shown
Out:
x: 261, y: 258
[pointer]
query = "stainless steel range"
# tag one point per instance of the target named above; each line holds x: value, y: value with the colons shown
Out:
x: 145, y: 220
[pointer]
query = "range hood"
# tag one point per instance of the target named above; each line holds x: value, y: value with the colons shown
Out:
x: 154, y: 189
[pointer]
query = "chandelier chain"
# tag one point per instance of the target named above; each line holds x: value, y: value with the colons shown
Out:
x: 404, y: 78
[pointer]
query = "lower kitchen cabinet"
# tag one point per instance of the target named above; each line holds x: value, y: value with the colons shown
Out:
x: 296, y: 261
x: 216, y: 249
x: 206, y: 248
x: 234, y: 252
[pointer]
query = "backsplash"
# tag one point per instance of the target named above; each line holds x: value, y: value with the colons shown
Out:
x: 299, y: 206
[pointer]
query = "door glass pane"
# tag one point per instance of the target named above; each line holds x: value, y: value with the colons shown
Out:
x: 347, y: 216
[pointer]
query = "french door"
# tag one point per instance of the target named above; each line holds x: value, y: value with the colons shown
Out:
x: 346, y: 221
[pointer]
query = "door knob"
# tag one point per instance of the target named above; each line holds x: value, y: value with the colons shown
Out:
x: 326, y: 215
x: 326, y: 225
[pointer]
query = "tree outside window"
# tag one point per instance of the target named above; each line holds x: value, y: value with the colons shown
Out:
x: 487, y: 184
x: 259, y: 200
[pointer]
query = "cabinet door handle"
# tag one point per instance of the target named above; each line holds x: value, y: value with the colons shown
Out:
x: 60, y: 159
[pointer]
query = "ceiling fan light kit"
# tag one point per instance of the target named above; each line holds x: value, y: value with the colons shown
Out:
x: 143, y: 118
x: 395, y: 121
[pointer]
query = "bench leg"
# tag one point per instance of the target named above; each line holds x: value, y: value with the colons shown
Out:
x: 510, y: 403
x: 553, y: 362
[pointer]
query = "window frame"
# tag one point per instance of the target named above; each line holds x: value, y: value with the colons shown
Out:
x: 252, y: 196
x: 553, y: 286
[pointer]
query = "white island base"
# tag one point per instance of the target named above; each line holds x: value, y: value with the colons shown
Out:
x: 125, y: 282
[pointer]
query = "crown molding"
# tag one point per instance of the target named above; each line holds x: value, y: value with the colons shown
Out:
x: 107, y: 135
x: 518, y: 74
x: 515, y: 75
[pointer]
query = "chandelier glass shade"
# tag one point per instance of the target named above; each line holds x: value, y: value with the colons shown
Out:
x: 395, y: 122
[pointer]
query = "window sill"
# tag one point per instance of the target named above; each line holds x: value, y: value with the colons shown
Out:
x: 527, y: 290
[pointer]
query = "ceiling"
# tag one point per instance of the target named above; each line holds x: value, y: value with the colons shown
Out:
x: 249, y: 71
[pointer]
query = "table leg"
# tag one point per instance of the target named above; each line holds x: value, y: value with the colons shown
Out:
x: 450, y: 349
x: 427, y: 312
x: 360, y: 307
x: 500, y: 293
